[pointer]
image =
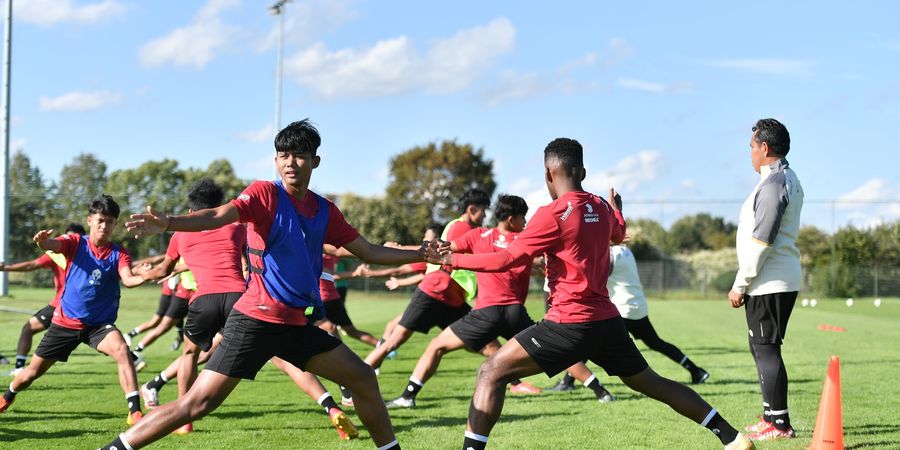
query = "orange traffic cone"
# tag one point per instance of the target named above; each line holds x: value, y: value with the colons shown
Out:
x: 829, y: 432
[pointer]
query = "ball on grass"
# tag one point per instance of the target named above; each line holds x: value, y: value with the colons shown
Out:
x: 805, y: 302
x: 813, y: 303
x: 849, y: 302
x: 877, y: 302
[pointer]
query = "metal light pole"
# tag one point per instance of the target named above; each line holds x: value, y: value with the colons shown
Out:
x: 278, y: 10
x: 4, y: 164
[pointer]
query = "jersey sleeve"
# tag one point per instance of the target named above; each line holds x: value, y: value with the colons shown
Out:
x: 617, y: 226
x: 44, y: 261
x: 466, y: 242
x: 539, y: 235
x: 256, y: 203
x: 339, y: 232
x: 458, y: 229
x: 172, y: 250
x: 768, y: 209
x: 68, y: 245
x: 124, y: 258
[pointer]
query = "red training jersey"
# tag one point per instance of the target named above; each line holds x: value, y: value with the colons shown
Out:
x: 419, y: 267
x: 69, y: 245
x: 496, y: 288
x: 573, y: 232
x: 214, y: 257
x: 59, y: 276
x: 438, y: 284
x: 327, y: 290
x: 256, y: 207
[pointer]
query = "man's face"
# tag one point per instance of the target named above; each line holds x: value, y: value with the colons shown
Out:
x: 517, y: 223
x: 477, y: 214
x: 758, y: 152
x: 101, y: 226
x: 296, y: 168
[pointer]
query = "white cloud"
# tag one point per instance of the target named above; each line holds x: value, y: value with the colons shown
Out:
x: 194, y: 45
x: 771, y: 66
x: 266, y: 133
x: 630, y: 173
x: 874, y: 202
x: 51, y: 12
x: 306, y: 20
x: 688, y: 183
x: 80, y: 101
x: 513, y: 85
x: 17, y: 145
x: 653, y: 87
x: 394, y: 65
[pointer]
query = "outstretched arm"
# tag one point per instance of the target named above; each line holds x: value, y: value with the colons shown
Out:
x: 42, y: 239
x: 161, y: 270
x: 153, y: 222
x: 378, y: 254
x: 394, y: 283
x: 24, y: 266
x: 131, y: 279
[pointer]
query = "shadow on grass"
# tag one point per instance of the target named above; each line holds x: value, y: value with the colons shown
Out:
x: 12, y: 435
x: 714, y: 350
x: 460, y: 421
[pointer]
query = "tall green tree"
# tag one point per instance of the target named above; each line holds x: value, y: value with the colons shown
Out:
x: 427, y: 181
x: 815, y: 247
x: 27, y: 206
x: 702, y: 232
x: 79, y: 182
x: 378, y: 219
x: 222, y: 172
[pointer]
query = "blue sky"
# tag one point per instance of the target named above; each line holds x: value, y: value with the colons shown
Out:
x: 661, y: 94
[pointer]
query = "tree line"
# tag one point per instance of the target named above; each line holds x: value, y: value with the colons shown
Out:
x: 424, y: 183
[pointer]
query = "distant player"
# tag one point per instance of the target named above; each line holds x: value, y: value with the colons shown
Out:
x: 172, y: 317
x: 499, y: 306
x: 41, y: 319
x: 288, y: 226
x: 626, y: 292
x: 574, y: 232
x: 335, y: 304
x: 89, y: 304
x: 440, y: 299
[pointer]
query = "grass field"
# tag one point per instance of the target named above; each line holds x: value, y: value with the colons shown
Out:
x: 79, y: 404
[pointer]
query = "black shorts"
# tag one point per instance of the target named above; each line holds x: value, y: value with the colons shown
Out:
x: 164, y: 301
x: 767, y: 316
x: 45, y: 316
x: 640, y: 328
x: 424, y: 312
x: 342, y: 291
x: 336, y: 312
x: 483, y: 325
x: 59, y: 342
x: 556, y: 346
x: 248, y: 343
x: 178, y: 308
x: 207, y: 315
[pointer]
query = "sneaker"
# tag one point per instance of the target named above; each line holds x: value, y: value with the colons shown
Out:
x: 4, y: 360
x: 758, y: 426
x: 176, y: 344
x: 4, y: 405
x: 562, y: 386
x: 127, y: 338
x: 606, y: 397
x: 699, y: 376
x: 741, y: 443
x: 347, y: 401
x: 524, y: 387
x: 771, y: 433
x: 134, y: 418
x: 345, y: 428
x: 392, y: 354
x: 401, y: 402
x: 184, y: 429
x: 14, y: 372
x: 137, y: 359
x: 150, y: 396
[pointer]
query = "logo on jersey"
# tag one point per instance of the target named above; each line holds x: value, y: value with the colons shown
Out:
x: 501, y: 242
x: 567, y: 212
x: 590, y: 216
x: 95, y: 277
x: 243, y: 197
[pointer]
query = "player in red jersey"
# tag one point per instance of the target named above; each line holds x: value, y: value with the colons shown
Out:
x: 574, y: 232
x: 335, y: 306
x: 440, y: 299
x: 41, y: 319
x: 499, y: 306
x: 89, y: 304
x: 275, y: 315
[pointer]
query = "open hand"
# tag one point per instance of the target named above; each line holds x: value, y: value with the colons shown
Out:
x: 147, y: 224
x: 614, y: 199
x: 42, y: 236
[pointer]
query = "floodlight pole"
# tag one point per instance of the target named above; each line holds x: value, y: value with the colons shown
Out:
x: 278, y: 10
x: 4, y: 164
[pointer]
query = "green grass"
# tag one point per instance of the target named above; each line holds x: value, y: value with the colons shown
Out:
x: 79, y: 404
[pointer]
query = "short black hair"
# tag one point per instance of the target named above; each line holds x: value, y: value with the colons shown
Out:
x: 436, y: 228
x: 299, y: 137
x: 568, y: 152
x: 509, y: 206
x: 474, y: 197
x: 105, y: 205
x: 773, y: 133
x: 205, y: 193
x: 75, y: 228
